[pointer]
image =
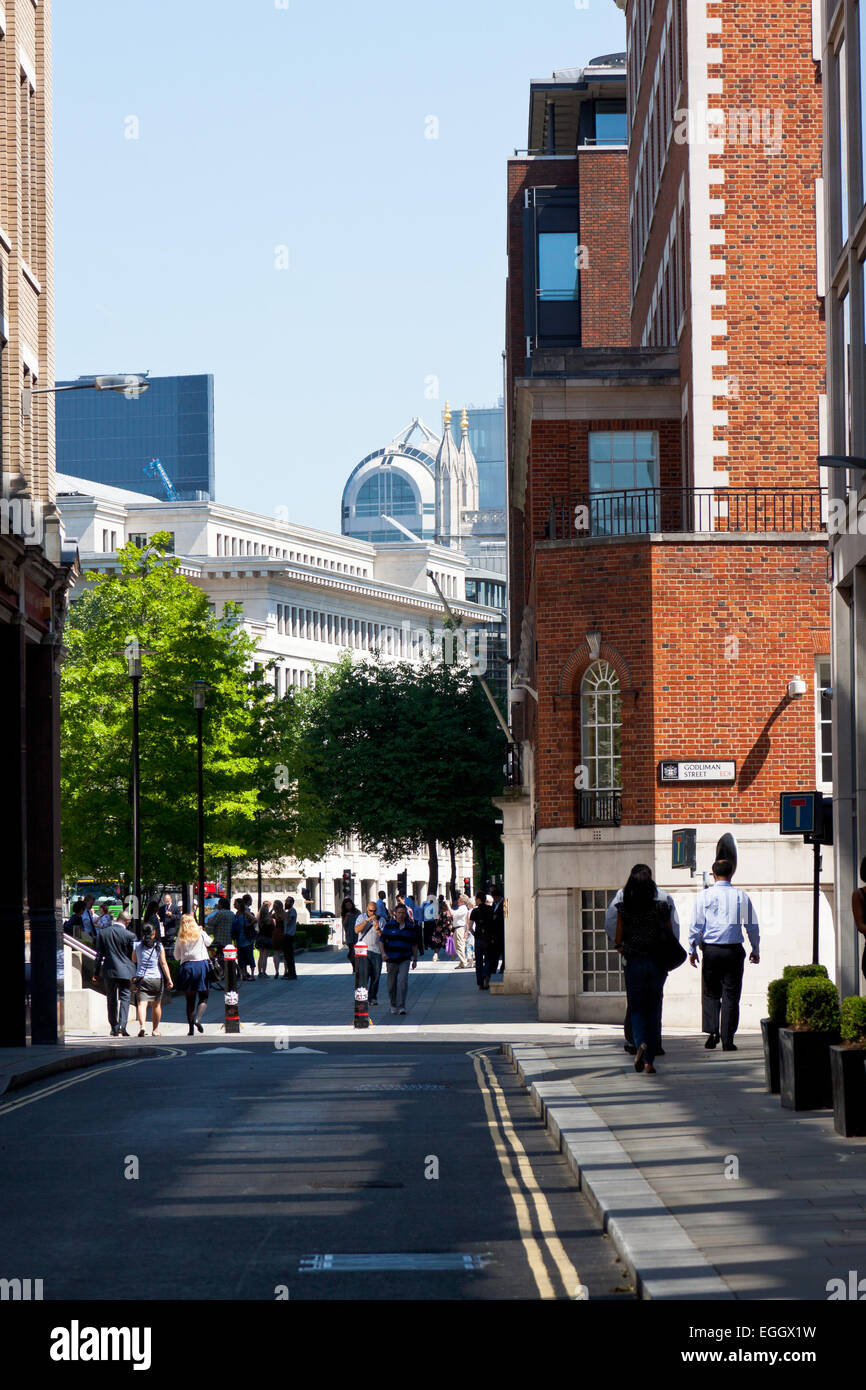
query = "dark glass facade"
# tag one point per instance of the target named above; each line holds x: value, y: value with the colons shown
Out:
x: 106, y: 438
x: 487, y: 439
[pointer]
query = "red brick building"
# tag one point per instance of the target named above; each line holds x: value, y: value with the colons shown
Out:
x: 668, y: 552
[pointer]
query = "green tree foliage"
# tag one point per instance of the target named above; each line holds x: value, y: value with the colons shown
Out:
x: 401, y: 756
x: 245, y: 731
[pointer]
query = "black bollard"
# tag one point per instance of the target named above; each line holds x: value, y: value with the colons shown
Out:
x: 362, y: 969
x: 232, y: 1016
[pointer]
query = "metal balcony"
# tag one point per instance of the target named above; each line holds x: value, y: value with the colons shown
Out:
x: 598, y: 808
x: 640, y: 511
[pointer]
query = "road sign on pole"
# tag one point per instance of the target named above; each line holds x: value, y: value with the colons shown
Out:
x: 800, y: 813
x: 684, y: 849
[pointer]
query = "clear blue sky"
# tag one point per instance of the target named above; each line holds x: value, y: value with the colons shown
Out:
x: 262, y: 127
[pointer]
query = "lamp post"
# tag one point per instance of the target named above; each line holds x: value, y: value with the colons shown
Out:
x: 130, y: 385
x: 132, y: 653
x: 199, y: 689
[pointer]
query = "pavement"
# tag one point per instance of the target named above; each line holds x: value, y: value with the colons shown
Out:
x: 707, y: 1187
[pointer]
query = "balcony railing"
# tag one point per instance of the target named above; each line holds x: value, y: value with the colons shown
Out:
x: 598, y: 808
x: 638, y: 511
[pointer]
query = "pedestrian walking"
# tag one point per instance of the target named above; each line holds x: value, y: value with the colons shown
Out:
x: 191, y: 952
x: 264, y: 935
x: 460, y: 924
x: 87, y: 917
x: 115, y: 965
x: 429, y: 912
x: 219, y: 923
x: 411, y: 907
x: 151, y: 975
x: 290, y: 927
x: 368, y: 932
x: 441, y: 928
x: 400, y: 952
x: 858, y: 907
x: 348, y: 917
x: 643, y: 923
x: 483, y: 929
x: 244, y: 935
x: 498, y: 929
x: 168, y: 919
x: 104, y: 918
x: 611, y: 917
x: 382, y: 911
x: 74, y: 924
x: 719, y: 917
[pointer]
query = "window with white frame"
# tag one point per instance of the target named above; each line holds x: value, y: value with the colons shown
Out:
x: 601, y: 966
x: 823, y: 725
x: 601, y: 727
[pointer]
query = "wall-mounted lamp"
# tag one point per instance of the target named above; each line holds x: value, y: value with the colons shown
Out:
x: 796, y: 688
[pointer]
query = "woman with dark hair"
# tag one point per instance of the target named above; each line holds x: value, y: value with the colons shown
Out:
x: 349, y: 916
x: 278, y: 939
x: 641, y: 925
x: 858, y: 907
x: 151, y: 969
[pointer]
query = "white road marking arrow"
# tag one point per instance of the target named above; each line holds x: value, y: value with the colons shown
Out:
x: 211, y: 1051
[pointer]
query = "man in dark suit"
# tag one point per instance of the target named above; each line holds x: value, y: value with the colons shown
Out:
x: 115, y: 964
x: 498, y: 928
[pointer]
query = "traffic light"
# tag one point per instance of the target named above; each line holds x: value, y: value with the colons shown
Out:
x: 467, y: 884
x: 401, y: 882
x: 347, y: 883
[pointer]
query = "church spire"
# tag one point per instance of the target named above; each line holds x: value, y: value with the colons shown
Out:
x: 468, y: 469
x: 448, y: 484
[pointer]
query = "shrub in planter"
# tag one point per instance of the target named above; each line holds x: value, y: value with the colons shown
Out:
x: 854, y: 1020
x: 318, y: 933
x: 848, y: 1070
x: 804, y: 1046
x: 777, y: 1008
x: 300, y: 940
x: 804, y: 972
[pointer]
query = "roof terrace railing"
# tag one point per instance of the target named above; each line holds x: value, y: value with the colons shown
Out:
x: 641, y: 511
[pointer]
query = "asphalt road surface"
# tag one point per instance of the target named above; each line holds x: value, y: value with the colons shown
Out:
x: 405, y: 1170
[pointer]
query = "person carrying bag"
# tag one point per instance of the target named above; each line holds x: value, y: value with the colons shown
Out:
x: 644, y: 935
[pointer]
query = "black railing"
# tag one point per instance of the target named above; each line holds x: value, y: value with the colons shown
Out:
x: 513, y: 777
x: 598, y: 808
x: 639, y: 511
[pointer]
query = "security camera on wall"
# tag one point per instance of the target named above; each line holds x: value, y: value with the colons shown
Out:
x: 796, y: 688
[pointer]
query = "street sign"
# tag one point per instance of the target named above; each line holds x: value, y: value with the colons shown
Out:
x: 684, y: 849
x: 800, y: 813
x: 721, y: 770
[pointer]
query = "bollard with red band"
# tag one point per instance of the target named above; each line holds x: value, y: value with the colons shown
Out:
x: 362, y: 1010
x: 232, y: 1017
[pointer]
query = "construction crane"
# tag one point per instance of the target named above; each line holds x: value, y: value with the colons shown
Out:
x: 154, y: 469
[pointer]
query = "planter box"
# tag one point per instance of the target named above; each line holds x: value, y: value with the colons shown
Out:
x: 848, y: 1070
x: 770, y: 1035
x: 804, y: 1069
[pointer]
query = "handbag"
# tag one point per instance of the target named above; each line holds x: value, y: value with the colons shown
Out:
x: 669, y: 954
x: 449, y: 945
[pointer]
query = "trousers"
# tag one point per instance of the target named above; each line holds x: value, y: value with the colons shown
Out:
x: 118, y: 992
x: 721, y: 987
x: 398, y: 982
x: 644, y: 982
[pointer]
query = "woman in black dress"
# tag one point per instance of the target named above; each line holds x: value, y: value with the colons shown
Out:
x: 642, y: 921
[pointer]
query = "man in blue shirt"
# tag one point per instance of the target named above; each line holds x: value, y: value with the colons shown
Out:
x: 718, y: 919
x: 399, y: 943
x: 382, y: 908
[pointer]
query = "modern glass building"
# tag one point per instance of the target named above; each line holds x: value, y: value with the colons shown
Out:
x: 487, y: 438
x: 105, y: 438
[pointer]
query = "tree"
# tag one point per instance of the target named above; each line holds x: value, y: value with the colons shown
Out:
x: 243, y: 737
x: 404, y: 757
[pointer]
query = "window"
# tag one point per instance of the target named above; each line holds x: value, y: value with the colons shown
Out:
x: 611, y: 127
x: 138, y: 539
x: 601, y: 727
x: 557, y: 265
x: 823, y: 725
x: 113, y: 541
x: 623, y: 462
x: 601, y: 965
x: 219, y: 544
x: 105, y: 541
x: 842, y: 93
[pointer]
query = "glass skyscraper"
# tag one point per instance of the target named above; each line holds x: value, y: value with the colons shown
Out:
x: 105, y: 438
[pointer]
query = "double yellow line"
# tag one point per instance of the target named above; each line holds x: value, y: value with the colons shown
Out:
x: 519, y: 1178
x: 6, y: 1107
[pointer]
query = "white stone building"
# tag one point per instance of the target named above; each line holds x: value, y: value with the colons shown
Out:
x: 307, y: 596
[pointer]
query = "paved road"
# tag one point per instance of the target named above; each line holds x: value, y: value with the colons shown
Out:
x: 264, y: 1172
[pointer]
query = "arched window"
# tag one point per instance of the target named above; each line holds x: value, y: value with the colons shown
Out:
x: 386, y: 492
x: 601, y: 727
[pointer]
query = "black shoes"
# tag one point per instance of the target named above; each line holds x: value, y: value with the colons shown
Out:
x: 660, y: 1052
x: 123, y: 1033
x: 639, y: 1056
x: 712, y: 1041
x: 730, y: 1047
x: 199, y: 1027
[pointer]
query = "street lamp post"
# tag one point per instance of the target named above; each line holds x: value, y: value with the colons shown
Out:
x: 199, y: 688
x: 133, y: 661
x: 129, y: 385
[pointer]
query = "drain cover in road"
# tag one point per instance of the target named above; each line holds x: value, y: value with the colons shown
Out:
x: 400, y: 1086
x: 339, y: 1264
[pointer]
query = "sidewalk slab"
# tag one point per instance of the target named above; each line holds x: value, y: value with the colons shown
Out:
x: 706, y: 1186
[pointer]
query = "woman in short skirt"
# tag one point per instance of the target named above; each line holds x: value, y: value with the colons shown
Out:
x: 191, y: 952
x: 151, y: 968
